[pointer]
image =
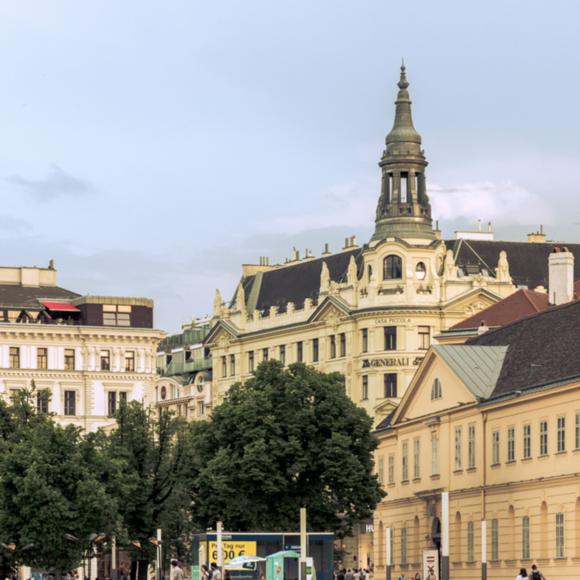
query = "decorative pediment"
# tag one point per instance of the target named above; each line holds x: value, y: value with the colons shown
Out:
x: 330, y: 309
x: 473, y: 301
x: 222, y: 333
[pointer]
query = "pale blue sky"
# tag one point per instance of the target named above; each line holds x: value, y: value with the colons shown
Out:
x: 152, y: 147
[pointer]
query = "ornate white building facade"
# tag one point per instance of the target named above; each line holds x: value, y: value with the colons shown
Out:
x: 82, y: 354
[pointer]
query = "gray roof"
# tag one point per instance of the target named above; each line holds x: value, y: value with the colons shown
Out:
x: 478, y: 367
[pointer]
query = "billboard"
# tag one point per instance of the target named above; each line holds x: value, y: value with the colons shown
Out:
x: 431, y: 564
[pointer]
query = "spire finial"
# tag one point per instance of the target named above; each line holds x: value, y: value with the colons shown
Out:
x: 403, y: 83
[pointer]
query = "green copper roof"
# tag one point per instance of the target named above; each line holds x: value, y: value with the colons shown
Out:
x: 478, y: 367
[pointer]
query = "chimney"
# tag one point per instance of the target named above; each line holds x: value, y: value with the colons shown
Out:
x: 326, y: 250
x: 538, y: 237
x: 560, y: 276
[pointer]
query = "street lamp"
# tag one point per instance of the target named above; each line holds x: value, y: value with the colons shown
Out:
x: 89, y: 545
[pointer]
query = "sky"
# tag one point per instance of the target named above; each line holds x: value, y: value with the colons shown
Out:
x: 150, y: 148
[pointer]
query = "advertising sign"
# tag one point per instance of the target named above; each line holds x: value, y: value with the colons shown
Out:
x: 431, y: 564
x: 231, y: 550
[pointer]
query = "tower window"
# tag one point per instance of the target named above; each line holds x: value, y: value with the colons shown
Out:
x: 420, y: 271
x: 405, y: 187
x: 392, y: 268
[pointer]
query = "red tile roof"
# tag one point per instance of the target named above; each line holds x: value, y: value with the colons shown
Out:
x: 518, y: 305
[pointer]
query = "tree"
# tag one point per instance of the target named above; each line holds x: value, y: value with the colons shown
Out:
x: 152, y: 494
x: 48, y: 487
x: 282, y: 440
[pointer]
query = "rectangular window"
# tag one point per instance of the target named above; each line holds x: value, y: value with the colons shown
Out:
x: 69, y: 359
x: 390, y: 384
x: 42, y: 401
x: 470, y: 551
x: 405, y: 461
x: 283, y: 354
x: 342, y: 344
x: 315, y: 350
x: 122, y: 396
x: 14, y: 357
x: 105, y: 358
x: 112, y: 403
x: 434, y: 453
x: 391, y: 469
x: 495, y: 448
x: 561, y: 434
x: 404, y: 546
x: 511, y: 444
x: 559, y: 535
x: 224, y: 367
x: 300, y: 351
x: 200, y: 408
x: 527, y: 441
x: 471, y: 448
x: 543, y: 437
x: 494, y: 539
x: 70, y: 403
x: 333, y: 346
x: 577, y: 435
x: 364, y: 336
x: 251, y: 361
x: 526, y: 538
x: 365, y: 387
x: 130, y: 361
x: 265, y: 354
x: 416, y: 458
x: 458, y: 450
x: 390, y: 337
x: 424, y: 337
x: 116, y: 315
x: 232, y: 365
x: 381, y: 470
x: 41, y: 358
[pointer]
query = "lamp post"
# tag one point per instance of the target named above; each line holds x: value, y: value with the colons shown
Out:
x: 88, y: 547
x: 12, y: 549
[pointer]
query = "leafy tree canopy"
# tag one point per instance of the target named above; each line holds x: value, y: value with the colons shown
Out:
x: 282, y: 440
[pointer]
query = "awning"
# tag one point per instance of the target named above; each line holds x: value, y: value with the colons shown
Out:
x: 60, y: 306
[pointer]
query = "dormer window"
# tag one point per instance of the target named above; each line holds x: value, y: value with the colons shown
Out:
x: 392, y: 268
x: 436, y: 390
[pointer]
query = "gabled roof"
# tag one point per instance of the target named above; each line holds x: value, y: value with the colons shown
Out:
x: 478, y: 367
x: 543, y: 349
x: 335, y: 301
x: 225, y: 325
x: 518, y: 305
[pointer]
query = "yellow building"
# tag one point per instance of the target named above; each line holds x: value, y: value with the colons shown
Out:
x: 371, y: 311
x: 496, y: 424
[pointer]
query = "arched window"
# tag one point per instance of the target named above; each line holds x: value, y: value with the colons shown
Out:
x: 392, y: 268
x: 421, y: 271
x: 436, y: 390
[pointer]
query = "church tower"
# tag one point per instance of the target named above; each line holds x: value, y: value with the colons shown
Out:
x: 403, y: 210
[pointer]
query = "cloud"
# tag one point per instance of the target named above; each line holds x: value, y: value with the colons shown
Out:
x: 57, y: 183
x: 501, y: 203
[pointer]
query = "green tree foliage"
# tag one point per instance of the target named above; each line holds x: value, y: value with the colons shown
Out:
x: 153, y: 455
x: 50, y: 485
x: 282, y: 440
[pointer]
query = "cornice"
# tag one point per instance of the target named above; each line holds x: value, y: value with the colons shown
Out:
x: 49, y: 374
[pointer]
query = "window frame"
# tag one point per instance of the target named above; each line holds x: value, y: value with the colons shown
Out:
x: 405, y: 461
x: 561, y: 434
x: 342, y: 344
x: 416, y: 458
x: 392, y: 267
x: 251, y: 361
x: 300, y: 351
x: 332, y: 346
x: 527, y: 441
x: 69, y: 396
x: 494, y: 552
x: 390, y: 387
x: 42, y: 357
x: 129, y: 361
x: 69, y: 359
x: 14, y: 357
x: 315, y: 350
x: 436, y: 389
x: 458, y: 448
x: 544, y: 441
x: 471, y: 446
x: 364, y: 340
x: 105, y: 359
x: 365, y: 388
x: 390, y: 338
x: 495, y: 447
x: 526, y: 537
x: 560, y: 536
x: 511, y: 444
x: 424, y: 343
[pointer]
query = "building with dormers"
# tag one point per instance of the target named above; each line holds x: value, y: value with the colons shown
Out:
x: 371, y: 311
x: 83, y: 354
x: 495, y: 423
x: 184, y: 371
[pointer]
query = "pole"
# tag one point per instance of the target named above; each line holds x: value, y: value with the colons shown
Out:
x: 114, y: 558
x: 303, y: 544
x: 220, y: 554
x: 389, y: 553
x: 445, y: 535
x: 483, y: 550
x: 158, y: 555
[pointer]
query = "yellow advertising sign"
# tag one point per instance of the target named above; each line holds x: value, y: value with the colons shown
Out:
x: 232, y: 550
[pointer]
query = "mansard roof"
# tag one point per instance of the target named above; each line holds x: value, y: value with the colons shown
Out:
x: 542, y: 349
x: 296, y: 282
x: 30, y: 297
x: 528, y: 262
